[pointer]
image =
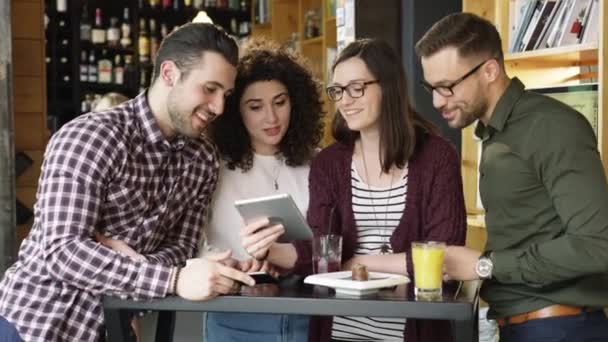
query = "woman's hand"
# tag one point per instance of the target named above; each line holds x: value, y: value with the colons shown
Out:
x: 257, y: 237
x: 118, y: 246
x: 254, y: 265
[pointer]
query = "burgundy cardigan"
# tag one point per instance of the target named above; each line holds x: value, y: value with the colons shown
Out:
x: 434, y: 211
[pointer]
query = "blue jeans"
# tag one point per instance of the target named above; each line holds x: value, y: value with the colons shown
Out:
x: 251, y: 327
x: 585, y: 327
x: 8, y: 332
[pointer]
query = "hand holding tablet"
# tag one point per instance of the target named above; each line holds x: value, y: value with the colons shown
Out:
x: 279, y: 209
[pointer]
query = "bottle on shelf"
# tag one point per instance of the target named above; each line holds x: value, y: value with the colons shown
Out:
x: 154, y: 39
x: 130, y: 76
x: 98, y: 33
x: 143, y: 79
x: 125, y: 28
x: 85, y: 104
x: 154, y: 3
x: 164, y: 30
x: 92, y: 67
x: 188, y: 3
x: 85, y: 25
x: 197, y: 4
x: 143, y: 42
x: 141, y: 4
x: 84, y: 66
x: 113, y: 33
x: 118, y: 71
x: 104, y: 68
x: 167, y: 4
x: 177, y: 5
x: 62, y: 6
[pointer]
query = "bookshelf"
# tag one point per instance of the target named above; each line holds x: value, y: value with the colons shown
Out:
x: 285, y: 21
x: 559, y: 66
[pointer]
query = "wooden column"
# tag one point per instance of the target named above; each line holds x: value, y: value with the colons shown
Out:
x: 7, y: 168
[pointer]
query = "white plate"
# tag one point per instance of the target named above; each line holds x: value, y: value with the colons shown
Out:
x: 343, y: 284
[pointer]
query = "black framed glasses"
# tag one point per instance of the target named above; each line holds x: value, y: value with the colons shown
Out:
x: 448, y: 90
x: 354, y: 90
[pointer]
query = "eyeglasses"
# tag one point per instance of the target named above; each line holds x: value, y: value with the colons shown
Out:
x: 354, y: 90
x: 448, y: 90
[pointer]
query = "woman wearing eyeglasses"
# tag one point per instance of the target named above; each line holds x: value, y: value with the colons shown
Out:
x: 392, y: 180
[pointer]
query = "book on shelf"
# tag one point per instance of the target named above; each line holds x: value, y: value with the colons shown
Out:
x: 592, y: 25
x: 543, y: 18
x: 538, y: 7
x: 570, y: 34
x: 539, y: 24
x: 521, y: 13
x: 548, y: 24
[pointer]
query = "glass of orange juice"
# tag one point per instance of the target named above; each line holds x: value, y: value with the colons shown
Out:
x: 428, y: 269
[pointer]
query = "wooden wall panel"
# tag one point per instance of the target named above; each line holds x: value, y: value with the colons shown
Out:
x: 27, y: 52
x: 29, y: 132
x: 25, y: 21
x: 28, y: 93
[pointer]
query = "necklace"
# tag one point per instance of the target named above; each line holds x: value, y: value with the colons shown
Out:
x: 384, y: 248
x: 277, y: 172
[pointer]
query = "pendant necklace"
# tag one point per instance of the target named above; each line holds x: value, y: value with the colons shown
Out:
x: 277, y: 172
x: 385, y: 247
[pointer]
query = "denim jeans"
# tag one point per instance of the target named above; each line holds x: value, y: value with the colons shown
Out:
x: 8, y: 332
x: 252, y: 327
x: 585, y: 327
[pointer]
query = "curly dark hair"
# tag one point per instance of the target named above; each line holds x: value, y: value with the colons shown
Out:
x: 263, y: 60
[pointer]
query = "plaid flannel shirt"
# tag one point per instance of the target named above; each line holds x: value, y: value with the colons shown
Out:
x: 115, y: 173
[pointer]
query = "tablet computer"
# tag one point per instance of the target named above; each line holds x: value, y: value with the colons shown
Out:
x: 279, y: 209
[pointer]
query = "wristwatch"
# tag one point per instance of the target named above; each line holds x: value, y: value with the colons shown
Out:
x: 484, y: 265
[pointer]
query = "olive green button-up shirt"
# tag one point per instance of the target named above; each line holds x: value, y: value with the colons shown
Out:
x: 544, y: 190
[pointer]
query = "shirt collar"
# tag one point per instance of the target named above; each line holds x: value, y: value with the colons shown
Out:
x: 502, y: 111
x: 150, y: 128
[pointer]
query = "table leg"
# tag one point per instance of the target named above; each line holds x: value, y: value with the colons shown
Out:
x: 165, y: 326
x: 117, y: 325
x: 466, y: 331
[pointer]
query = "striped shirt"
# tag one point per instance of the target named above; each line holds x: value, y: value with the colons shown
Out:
x: 112, y: 172
x: 377, y: 213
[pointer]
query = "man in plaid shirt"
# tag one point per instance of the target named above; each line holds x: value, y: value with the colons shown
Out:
x: 141, y: 173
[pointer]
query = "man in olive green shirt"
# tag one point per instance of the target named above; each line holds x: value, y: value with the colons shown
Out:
x: 542, y: 185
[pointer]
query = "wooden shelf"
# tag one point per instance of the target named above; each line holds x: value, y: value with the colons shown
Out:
x: 329, y: 20
x: 311, y: 41
x: 582, y: 54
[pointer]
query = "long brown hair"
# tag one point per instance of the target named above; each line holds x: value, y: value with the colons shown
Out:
x: 400, y: 125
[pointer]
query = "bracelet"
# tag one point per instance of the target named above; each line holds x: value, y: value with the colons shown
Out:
x: 174, y: 284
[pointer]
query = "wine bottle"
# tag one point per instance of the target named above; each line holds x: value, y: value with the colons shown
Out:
x: 113, y: 32
x: 92, y: 67
x: 85, y: 25
x: 125, y: 28
x: 119, y: 70
x: 62, y: 6
x: 98, y: 34
x: 84, y: 66
x: 104, y: 68
x: 143, y: 42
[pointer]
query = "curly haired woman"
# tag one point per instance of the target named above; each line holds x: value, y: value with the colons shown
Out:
x: 266, y: 137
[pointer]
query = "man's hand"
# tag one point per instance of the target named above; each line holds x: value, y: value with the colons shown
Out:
x: 460, y: 263
x: 118, y: 246
x: 257, y: 237
x: 208, y: 277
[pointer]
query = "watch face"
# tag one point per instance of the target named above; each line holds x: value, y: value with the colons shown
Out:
x: 484, y: 268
